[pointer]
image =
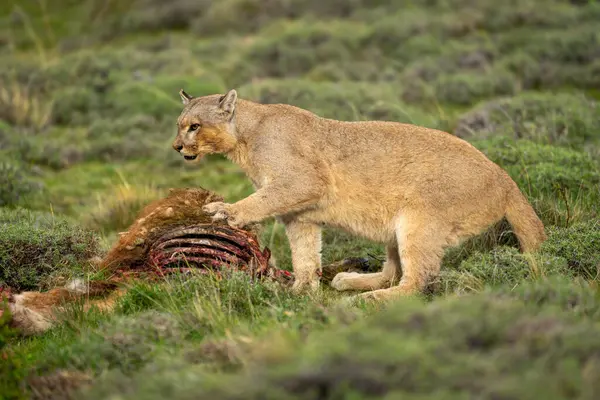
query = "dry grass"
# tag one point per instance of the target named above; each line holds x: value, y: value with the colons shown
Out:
x: 21, y: 107
x: 117, y: 207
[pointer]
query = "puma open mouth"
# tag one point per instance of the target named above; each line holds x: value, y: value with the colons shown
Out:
x: 190, y: 158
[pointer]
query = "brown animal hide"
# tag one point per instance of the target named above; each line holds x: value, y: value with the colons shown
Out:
x: 174, y: 234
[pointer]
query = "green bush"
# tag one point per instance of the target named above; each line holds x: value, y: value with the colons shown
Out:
x: 15, y: 184
x: 577, y: 46
x: 501, y: 17
x: 500, y: 266
x: 348, y: 101
x: 76, y: 105
x: 245, y: 16
x: 89, y: 70
x: 578, y: 244
x: 127, y: 138
x: 57, y: 148
x: 563, y: 118
x: 577, y: 297
x: 535, y: 75
x: 469, y: 88
x: 584, y: 76
x: 545, y: 170
x: 456, y: 57
x: 531, y: 73
x: 36, y: 247
x: 155, y: 15
x: 375, y: 70
x: 125, y: 343
x: 120, y: 82
x: 158, y: 98
x: 242, y: 16
x: 408, y: 35
x: 104, y: 139
x: 293, y: 50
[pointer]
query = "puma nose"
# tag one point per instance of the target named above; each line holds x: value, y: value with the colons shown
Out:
x: 178, y: 147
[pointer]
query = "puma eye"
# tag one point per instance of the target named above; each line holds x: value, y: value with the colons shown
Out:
x: 194, y: 127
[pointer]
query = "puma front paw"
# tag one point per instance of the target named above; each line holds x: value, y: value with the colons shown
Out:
x: 218, y: 210
x: 222, y: 211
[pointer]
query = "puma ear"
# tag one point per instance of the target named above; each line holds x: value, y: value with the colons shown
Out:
x: 185, y: 98
x: 227, y: 102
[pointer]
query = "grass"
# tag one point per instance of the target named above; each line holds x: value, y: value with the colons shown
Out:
x: 506, y: 340
x: 88, y: 101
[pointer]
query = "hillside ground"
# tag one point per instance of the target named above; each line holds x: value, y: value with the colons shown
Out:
x: 88, y: 103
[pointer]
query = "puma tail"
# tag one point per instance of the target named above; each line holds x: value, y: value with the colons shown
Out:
x: 524, y: 221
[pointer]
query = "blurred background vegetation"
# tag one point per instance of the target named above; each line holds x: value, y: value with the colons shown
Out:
x: 88, y: 102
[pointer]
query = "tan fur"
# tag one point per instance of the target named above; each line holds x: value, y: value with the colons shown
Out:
x: 36, y: 312
x: 417, y: 190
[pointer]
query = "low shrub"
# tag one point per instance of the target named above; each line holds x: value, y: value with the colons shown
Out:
x: 243, y: 16
x: 535, y: 75
x: 77, y: 105
x: 577, y: 46
x: 575, y: 296
x: 293, y: 50
x: 500, y: 266
x: 103, y: 139
x: 544, y: 170
x: 88, y: 70
x: 158, y: 98
x: 469, y: 88
x: 456, y: 57
x: 57, y: 148
x: 155, y: 15
x: 578, y: 245
x: 128, y: 138
x: 37, y: 247
x: 15, y: 184
x: 563, y: 118
x: 348, y: 101
x: 125, y: 343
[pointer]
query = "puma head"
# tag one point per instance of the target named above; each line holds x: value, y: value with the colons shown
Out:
x: 206, y: 125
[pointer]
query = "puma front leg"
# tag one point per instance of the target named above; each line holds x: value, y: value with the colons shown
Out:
x: 270, y: 201
x: 305, y: 244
